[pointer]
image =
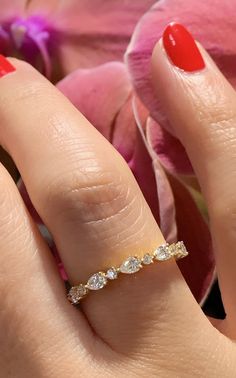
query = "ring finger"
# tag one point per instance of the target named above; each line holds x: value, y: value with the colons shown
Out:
x: 92, y: 206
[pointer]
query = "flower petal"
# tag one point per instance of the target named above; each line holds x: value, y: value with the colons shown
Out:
x: 198, y: 18
x: 99, y: 93
x: 199, y: 267
x: 180, y: 219
x: 142, y: 168
x: 125, y: 131
x: 92, y: 32
x: 12, y: 8
x: 153, y: 180
x: 170, y: 151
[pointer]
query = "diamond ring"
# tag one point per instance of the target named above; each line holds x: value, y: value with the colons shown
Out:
x: 130, y: 265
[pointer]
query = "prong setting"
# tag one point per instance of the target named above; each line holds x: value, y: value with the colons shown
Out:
x: 112, y: 273
x: 130, y: 265
x: 147, y: 259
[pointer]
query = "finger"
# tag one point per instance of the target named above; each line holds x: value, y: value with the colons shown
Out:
x: 203, y: 115
x: 34, y: 319
x: 88, y: 198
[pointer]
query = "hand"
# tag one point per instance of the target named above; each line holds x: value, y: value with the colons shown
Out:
x: 144, y: 325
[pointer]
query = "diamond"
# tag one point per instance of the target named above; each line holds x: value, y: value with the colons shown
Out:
x: 162, y: 253
x: 76, y: 293
x: 112, y: 274
x: 147, y: 259
x: 97, y: 281
x: 131, y: 265
x: 180, y: 250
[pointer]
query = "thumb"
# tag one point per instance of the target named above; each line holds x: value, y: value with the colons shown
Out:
x: 201, y: 107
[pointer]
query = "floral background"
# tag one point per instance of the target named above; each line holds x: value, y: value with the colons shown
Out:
x: 98, y: 52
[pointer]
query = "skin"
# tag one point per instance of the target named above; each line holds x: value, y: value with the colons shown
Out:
x: 144, y: 325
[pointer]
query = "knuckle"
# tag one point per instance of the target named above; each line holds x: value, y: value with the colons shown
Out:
x: 89, y: 195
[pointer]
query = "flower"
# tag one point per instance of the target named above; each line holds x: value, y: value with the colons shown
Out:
x: 106, y: 97
x: 60, y: 36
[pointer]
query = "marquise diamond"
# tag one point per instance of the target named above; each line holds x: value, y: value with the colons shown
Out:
x: 162, y: 253
x: 97, y: 281
x: 131, y: 265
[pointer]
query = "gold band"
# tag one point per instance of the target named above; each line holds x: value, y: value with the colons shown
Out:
x: 131, y: 265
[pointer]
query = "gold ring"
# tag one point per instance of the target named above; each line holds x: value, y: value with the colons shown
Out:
x: 131, y: 265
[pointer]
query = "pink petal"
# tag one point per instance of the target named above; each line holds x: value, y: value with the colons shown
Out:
x: 179, y: 218
x: 170, y: 151
x: 141, y: 166
x: 153, y: 180
x: 12, y: 8
x: 124, y: 134
x: 91, y: 32
x: 99, y: 93
x: 211, y: 22
x: 199, y: 267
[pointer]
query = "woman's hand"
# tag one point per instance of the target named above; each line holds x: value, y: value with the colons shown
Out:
x: 144, y: 325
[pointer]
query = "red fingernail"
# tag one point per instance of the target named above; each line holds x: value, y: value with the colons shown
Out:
x: 181, y: 48
x: 5, y: 66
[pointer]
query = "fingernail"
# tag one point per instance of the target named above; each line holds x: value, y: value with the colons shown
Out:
x: 181, y: 48
x: 5, y: 66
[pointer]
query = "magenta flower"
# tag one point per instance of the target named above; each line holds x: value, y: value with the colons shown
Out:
x: 59, y: 36
x: 106, y: 97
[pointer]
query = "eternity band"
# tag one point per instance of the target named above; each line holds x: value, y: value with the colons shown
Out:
x: 130, y: 265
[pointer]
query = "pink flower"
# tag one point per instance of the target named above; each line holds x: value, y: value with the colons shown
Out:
x: 106, y: 97
x: 60, y: 36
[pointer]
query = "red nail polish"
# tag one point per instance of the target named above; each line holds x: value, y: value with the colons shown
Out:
x: 5, y: 66
x: 181, y: 48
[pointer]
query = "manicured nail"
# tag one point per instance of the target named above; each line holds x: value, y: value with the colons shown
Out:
x: 5, y: 66
x: 181, y: 48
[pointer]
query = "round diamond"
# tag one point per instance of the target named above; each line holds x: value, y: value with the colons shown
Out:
x: 147, y: 259
x: 112, y: 274
x: 76, y: 293
x: 131, y: 265
x: 162, y: 253
x: 97, y: 281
